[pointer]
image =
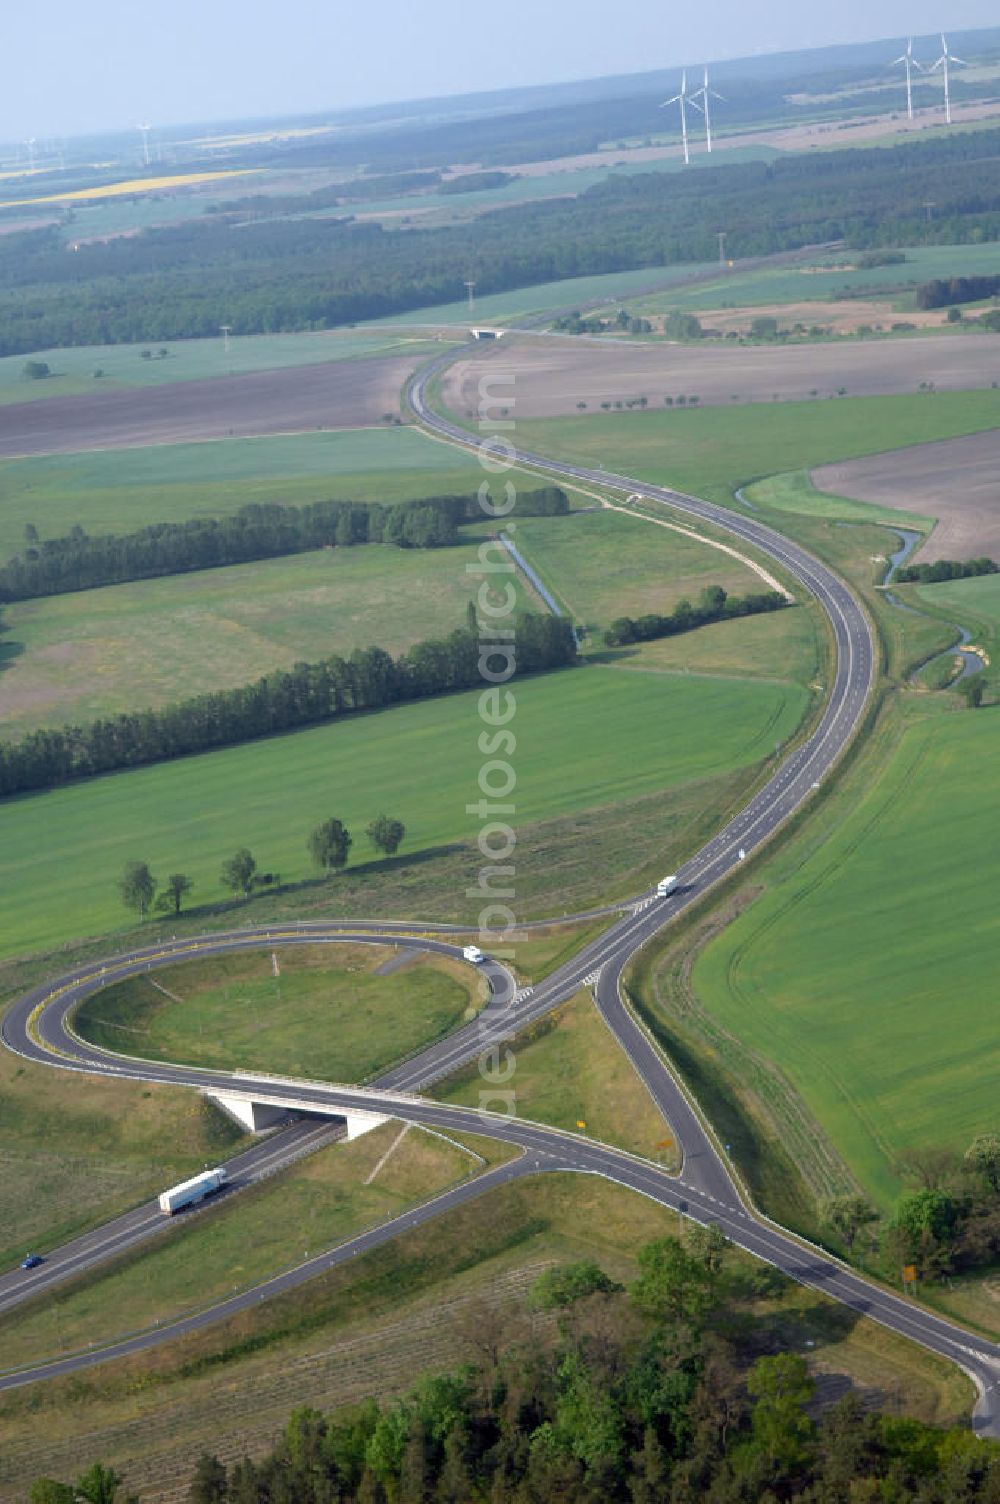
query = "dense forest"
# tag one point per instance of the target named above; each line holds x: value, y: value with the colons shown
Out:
x: 76, y: 561
x: 306, y: 695
x: 674, y: 1390
x: 715, y: 605
x: 184, y: 280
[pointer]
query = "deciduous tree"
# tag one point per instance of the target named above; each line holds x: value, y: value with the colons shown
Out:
x: 238, y: 872
x: 386, y: 834
x: 177, y: 888
x: 137, y: 886
x: 330, y: 845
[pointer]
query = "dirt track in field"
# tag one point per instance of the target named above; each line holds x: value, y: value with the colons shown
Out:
x: 955, y: 480
x: 552, y: 376
x: 342, y: 394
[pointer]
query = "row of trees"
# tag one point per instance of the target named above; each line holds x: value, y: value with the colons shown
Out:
x: 714, y: 605
x: 652, y: 1394
x: 76, y: 561
x: 329, y: 846
x: 285, y: 700
x: 944, y: 569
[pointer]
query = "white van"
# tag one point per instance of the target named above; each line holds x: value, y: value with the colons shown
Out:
x: 474, y: 954
x: 666, y: 885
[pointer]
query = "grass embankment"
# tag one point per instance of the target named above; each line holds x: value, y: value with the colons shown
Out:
x: 587, y: 738
x: 125, y: 489
x: 123, y: 367
x: 440, y: 1295
x: 78, y: 1150
x: 569, y: 1071
x: 79, y: 657
x: 316, y: 1203
x: 320, y: 1011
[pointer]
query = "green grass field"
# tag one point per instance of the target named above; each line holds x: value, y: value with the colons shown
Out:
x: 600, y: 565
x: 890, y: 1039
x: 121, y: 490
x: 823, y: 278
x: 546, y: 297
x: 586, y: 737
x: 717, y: 448
x: 123, y: 366
x: 71, y: 658
x: 782, y: 645
x: 323, y: 1011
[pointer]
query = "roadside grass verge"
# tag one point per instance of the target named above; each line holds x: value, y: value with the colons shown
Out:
x: 535, y: 954
x: 570, y: 1072
x: 273, y: 1225
x: 78, y: 1150
x: 313, y: 1011
x: 587, y: 738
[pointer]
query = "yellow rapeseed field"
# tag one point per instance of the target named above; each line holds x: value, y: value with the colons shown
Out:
x: 134, y: 185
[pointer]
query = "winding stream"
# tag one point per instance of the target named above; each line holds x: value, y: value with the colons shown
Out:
x: 971, y: 662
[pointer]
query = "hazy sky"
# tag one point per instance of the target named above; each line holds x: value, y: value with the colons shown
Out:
x: 77, y: 65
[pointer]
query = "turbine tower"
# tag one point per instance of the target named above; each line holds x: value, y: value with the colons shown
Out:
x: 145, y: 129
x: 942, y: 63
x: 682, y: 99
x: 700, y: 100
x: 909, y: 62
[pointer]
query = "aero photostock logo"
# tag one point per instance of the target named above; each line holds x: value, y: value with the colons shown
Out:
x: 496, y: 806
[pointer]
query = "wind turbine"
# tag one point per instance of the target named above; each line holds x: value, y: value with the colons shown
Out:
x: 942, y: 63
x: 704, y: 94
x: 682, y: 99
x: 909, y: 62
x: 145, y: 129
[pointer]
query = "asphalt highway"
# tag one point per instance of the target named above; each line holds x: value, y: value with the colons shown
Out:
x: 39, y: 1026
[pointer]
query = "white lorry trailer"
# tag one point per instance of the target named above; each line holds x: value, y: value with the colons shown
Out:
x: 666, y: 885
x: 191, y: 1191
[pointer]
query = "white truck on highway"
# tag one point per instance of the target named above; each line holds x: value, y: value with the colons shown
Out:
x: 666, y: 885
x: 191, y: 1191
x: 474, y: 954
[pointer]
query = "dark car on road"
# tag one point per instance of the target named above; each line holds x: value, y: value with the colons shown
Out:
x: 32, y: 1261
